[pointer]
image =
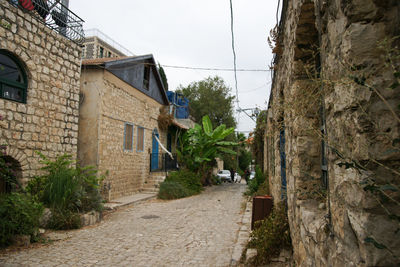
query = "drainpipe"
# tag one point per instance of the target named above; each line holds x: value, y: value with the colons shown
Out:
x: 324, y: 162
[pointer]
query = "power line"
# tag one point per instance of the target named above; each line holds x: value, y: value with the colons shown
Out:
x: 217, y: 69
x: 257, y: 88
x: 188, y: 67
x: 277, y: 11
x: 234, y: 55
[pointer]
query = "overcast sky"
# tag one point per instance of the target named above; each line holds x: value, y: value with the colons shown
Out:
x: 193, y: 33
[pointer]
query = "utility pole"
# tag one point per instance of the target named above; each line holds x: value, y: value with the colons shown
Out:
x: 254, y: 112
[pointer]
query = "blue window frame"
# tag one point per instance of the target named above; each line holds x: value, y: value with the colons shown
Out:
x: 140, y: 139
x: 128, y: 136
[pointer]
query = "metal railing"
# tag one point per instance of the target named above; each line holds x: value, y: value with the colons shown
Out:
x: 162, y: 162
x: 54, y: 15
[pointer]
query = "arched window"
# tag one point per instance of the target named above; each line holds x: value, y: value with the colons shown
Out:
x: 13, y: 79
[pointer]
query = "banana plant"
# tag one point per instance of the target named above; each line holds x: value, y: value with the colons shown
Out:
x: 200, y: 145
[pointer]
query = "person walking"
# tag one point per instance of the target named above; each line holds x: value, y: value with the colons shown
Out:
x: 232, y: 175
x: 246, y: 175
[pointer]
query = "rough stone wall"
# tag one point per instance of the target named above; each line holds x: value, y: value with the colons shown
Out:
x: 118, y: 103
x: 331, y: 84
x: 48, y: 122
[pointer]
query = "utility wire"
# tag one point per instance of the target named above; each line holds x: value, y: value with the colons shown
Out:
x: 219, y: 69
x: 182, y: 67
x: 234, y: 55
x: 277, y: 13
x: 257, y: 88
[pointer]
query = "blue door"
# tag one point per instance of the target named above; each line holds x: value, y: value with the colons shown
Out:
x: 154, y: 152
x: 283, y: 163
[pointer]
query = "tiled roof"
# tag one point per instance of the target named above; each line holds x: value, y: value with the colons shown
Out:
x: 180, y: 125
x: 99, y: 61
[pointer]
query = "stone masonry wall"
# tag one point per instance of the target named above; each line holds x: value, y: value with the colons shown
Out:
x: 331, y: 97
x: 48, y: 122
x: 119, y: 104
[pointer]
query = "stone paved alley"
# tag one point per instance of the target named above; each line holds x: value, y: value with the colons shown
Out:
x: 195, y: 231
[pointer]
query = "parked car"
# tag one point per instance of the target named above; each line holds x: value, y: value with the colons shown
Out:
x: 237, y: 178
x: 252, y: 175
x: 224, y: 175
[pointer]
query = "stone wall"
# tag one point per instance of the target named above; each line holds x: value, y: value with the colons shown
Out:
x: 108, y: 104
x: 48, y: 122
x: 330, y: 98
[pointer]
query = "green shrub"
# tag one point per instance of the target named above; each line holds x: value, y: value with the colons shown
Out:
x: 172, y: 190
x: 180, y: 184
x: 263, y: 189
x: 215, y: 180
x: 62, y: 190
x: 259, y: 177
x: 244, y: 159
x: 67, y: 190
x: 7, y: 172
x: 254, y: 184
x: 64, y: 220
x: 19, y: 215
x: 66, y: 187
x: 252, y: 187
x: 190, y: 180
x: 35, y: 187
x: 91, y: 198
x: 270, y: 236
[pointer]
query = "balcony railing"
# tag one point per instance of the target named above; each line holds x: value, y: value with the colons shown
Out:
x: 55, y: 16
x: 162, y: 162
x: 179, y: 105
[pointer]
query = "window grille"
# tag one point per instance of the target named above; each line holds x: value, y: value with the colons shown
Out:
x: 128, y: 137
x: 140, y: 139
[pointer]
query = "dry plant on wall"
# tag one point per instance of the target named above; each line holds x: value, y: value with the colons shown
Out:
x: 274, y: 41
x: 299, y: 115
x: 164, y: 119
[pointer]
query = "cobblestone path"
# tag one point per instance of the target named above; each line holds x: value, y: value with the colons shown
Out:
x: 195, y: 231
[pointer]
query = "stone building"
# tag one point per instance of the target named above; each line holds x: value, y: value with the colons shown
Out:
x: 121, y: 101
x: 99, y: 45
x: 332, y: 149
x: 39, y: 83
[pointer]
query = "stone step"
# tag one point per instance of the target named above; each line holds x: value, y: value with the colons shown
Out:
x: 156, y: 178
x: 153, y: 183
x: 150, y: 186
x: 149, y: 190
